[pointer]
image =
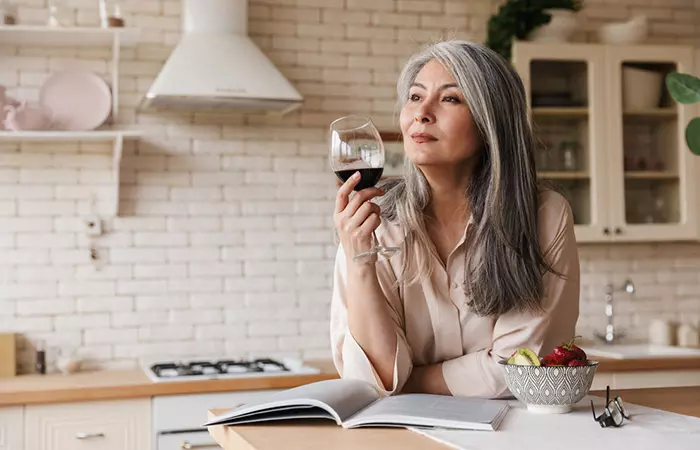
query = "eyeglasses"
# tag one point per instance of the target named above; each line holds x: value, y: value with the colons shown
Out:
x: 614, y: 412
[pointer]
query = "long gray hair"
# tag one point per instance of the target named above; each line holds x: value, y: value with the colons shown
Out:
x: 504, y: 264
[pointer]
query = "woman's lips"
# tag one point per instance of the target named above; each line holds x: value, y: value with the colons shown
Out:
x: 420, y: 138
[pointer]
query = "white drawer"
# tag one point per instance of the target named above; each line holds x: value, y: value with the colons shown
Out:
x: 105, y: 425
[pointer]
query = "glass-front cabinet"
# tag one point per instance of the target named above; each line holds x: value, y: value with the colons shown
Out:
x: 611, y: 140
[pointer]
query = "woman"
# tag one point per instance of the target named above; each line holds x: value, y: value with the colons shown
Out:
x: 489, y: 261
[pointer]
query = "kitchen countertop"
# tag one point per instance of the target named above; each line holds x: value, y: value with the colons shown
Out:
x: 685, y: 400
x: 122, y: 384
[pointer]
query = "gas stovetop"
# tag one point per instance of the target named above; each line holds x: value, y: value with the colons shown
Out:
x: 204, y: 369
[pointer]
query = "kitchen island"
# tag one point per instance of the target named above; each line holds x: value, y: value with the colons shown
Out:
x: 317, y: 436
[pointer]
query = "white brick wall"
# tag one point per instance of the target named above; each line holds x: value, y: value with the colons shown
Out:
x: 224, y: 245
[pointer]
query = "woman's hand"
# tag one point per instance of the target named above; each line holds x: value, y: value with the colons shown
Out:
x: 355, y: 219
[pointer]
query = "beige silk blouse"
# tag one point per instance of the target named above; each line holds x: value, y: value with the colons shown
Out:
x: 433, y: 324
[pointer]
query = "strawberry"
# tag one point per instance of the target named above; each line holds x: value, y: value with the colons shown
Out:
x: 577, y: 363
x: 549, y: 360
x: 580, y: 354
x: 562, y: 355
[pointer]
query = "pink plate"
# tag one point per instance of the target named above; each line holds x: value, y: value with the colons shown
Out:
x: 80, y: 100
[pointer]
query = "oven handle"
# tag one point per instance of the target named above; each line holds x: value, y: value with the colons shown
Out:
x: 186, y: 445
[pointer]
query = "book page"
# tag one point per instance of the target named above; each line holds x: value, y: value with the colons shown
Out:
x: 340, y: 397
x: 433, y: 411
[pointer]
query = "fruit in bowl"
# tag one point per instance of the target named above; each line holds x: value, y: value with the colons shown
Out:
x: 551, y: 384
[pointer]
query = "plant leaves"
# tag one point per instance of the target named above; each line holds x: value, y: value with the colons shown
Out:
x: 692, y: 135
x: 683, y: 87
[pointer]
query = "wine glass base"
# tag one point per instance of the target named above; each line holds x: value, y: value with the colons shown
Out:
x: 386, y: 252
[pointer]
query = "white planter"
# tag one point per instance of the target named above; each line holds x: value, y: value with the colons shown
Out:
x: 559, y: 29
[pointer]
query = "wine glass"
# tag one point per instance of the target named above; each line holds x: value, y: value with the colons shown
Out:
x: 356, y: 146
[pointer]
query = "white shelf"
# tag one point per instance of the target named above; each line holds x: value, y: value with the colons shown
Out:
x: 116, y: 137
x: 100, y: 135
x: 67, y: 36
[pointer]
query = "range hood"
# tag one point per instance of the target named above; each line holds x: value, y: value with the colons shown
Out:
x: 217, y: 66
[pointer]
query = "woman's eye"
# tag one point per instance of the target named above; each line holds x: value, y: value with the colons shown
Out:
x: 414, y: 97
x: 452, y: 99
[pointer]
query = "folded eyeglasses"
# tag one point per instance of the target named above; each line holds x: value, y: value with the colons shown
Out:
x: 613, y: 413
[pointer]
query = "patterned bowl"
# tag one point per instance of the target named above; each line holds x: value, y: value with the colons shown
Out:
x: 549, y: 390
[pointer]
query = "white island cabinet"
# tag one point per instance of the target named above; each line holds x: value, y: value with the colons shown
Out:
x: 99, y: 425
x: 11, y: 428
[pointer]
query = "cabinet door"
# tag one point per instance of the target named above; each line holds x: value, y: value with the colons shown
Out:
x: 652, y: 171
x: 109, y: 425
x: 11, y: 428
x: 565, y: 91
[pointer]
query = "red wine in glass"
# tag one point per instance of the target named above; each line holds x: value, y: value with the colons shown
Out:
x: 368, y: 177
x: 356, y: 146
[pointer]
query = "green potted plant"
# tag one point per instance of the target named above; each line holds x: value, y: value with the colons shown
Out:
x: 516, y: 19
x: 685, y: 89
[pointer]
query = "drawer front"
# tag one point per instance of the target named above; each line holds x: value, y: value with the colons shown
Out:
x: 11, y: 428
x: 113, y: 425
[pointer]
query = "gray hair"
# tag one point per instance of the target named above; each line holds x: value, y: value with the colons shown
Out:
x: 504, y: 264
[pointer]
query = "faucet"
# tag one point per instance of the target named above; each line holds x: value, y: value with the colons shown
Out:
x: 611, y: 335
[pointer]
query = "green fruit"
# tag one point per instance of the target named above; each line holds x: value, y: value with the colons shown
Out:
x: 524, y: 357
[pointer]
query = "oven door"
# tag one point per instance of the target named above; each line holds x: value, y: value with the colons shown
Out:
x: 186, y: 440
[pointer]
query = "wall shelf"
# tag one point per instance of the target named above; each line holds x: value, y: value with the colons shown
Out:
x: 117, y: 137
x: 99, y: 135
x: 67, y: 36
x: 44, y: 36
x: 75, y: 37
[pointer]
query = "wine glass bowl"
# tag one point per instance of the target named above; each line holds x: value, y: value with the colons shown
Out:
x: 356, y: 146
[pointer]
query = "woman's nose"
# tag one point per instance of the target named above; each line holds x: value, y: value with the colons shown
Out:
x: 424, y: 116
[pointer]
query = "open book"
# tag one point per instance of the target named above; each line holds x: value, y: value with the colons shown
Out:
x: 356, y: 403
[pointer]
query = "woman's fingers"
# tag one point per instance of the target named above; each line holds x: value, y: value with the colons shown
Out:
x: 370, y: 224
x: 364, y: 211
x: 342, y: 197
x: 360, y: 198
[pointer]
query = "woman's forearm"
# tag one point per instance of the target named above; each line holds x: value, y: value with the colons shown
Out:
x: 369, y: 320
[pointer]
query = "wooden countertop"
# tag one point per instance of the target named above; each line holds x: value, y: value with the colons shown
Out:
x: 685, y: 400
x: 121, y: 384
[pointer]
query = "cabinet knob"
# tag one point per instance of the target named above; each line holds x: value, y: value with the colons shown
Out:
x: 606, y: 230
x: 82, y: 436
x: 618, y: 230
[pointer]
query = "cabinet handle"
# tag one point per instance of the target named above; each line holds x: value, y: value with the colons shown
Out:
x: 186, y: 445
x: 618, y: 230
x: 606, y: 230
x: 89, y: 435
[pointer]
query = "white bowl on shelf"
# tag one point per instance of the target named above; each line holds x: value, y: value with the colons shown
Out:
x: 633, y: 31
x: 560, y: 28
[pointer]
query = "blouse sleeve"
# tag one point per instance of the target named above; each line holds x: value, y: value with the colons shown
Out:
x: 478, y: 374
x: 349, y: 358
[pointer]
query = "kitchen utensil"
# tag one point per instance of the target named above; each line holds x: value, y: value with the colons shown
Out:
x: 8, y: 355
x: 5, y: 101
x: 80, y: 100
x: 26, y: 117
x: 68, y: 364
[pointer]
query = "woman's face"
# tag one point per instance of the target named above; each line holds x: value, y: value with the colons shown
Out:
x: 436, y: 123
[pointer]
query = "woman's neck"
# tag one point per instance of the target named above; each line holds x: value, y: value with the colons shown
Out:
x: 448, y: 204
